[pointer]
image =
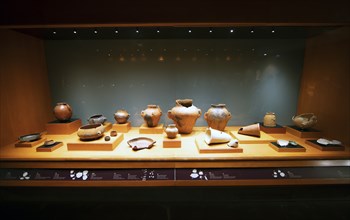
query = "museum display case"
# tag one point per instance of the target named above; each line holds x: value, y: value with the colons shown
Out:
x: 68, y: 84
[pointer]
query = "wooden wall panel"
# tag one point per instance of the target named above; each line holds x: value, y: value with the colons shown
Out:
x: 325, y: 85
x: 25, y: 95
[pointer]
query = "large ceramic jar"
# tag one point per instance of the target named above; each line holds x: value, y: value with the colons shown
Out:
x: 151, y: 115
x: 184, y: 115
x: 171, y: 131
x: 121, y: 116
x: 91, y: 132
x: 217, y: 116
x: 62, y: 111
x: 270, y: 119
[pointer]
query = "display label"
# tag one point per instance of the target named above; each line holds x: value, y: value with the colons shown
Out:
x: 159, y: 174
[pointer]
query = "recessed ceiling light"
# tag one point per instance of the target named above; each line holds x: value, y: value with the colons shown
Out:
x: 54, y: 32
x: 231, y: 30
x: 189, y: 31
x: 95, y: 31
x: 137, y: 31
x: 252, y: 31
x: 210, y: 31
x: 158, y: 31
x: 74, y: 31
x: 273, y: 31
x: 116, y: 31
x: 265, y: 54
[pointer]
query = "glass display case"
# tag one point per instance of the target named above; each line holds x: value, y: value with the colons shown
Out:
x: 257, y: 73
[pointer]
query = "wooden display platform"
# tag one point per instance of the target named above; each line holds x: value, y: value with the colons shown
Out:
x: 95, y: 145
x: 246, y: 139
x: 272, y: 130
x: 30, y: 143
x: 124, y: 128
x: 309, y: 133
x: 172, y: 143
x: 107, y: 125
x: 50, y: 148
x: 329, y: 147
x: 69, y: 127
x: 203, y: 147
x: 288, y: 148
x: 144, y: 129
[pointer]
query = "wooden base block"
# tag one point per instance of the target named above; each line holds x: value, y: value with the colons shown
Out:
x: 56, y: 127
x: 144, y: 129
x: 50, y: 148
x: 272, y: 130
x: 30, y: 143
x: 288, y: 148
x: 309, y: 133
x: 329, y: 147
x: 203, y: 147
x: 107, y: 126
x: 172, y: 143
x: 246, y: 139
x: 123, y: 128
x: 96, y: 145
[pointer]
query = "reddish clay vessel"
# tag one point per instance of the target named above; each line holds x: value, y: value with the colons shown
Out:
x: 62, y: 111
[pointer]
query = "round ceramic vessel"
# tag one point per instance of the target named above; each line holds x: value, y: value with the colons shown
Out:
x: 270, y: 119
x: 121, y: 116
x: 62, y: 111
x: 184, y: 115
x: 151, y: 115
x: 305, y: 121
x: 217, y: 116
x: 91, y: 132
x: 97, y: 119
x: 171, y: 131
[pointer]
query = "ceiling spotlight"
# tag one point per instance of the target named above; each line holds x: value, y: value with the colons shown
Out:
x: 137, y: 31
x: 210, y: 31
x: 231, y: 30
x: 273, y: 31
x: 158, y: 31
x: 189, y: 31
x: 95, y: 31
x: 74, y: 32
x: 54, y: 32
x: 265, y: 54
x: 252, y: 31
x: 116, y: 31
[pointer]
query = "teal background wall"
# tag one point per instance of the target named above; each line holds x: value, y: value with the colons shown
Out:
x: 251, y: 76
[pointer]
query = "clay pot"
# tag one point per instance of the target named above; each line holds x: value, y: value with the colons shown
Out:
x: 91, y: 132
x: 184, y: 115
x: 270, y: 119
x: 62, y: 111
x: 217, y: 116
x: 251, y: 130
x: 97, y: 119
x: 151, y: 115
x: 213, y: 136
x: 171, y: 131
x: 305, y: 121
x: 121, y: 116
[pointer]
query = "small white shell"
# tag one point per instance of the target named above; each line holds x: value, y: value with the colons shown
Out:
x: 233, y: 143
x: 335, y: 142
x: 323, y: 141
x: 282, y: 143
